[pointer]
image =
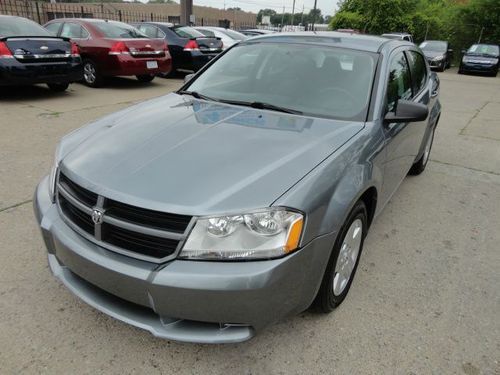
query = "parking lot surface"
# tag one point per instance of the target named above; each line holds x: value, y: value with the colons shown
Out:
x: 425, y: 298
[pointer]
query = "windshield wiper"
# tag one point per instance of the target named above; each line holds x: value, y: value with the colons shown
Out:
x: 197, y: 95
x: 262, y: 105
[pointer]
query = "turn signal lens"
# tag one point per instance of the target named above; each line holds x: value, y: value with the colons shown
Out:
x: 293, y: 239
x: 191, y: 46
x: 5, y: 51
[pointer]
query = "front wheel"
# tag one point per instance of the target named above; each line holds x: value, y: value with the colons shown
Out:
x: 419, y: 166
x: 343, y: 261
x: 145, y: 77
x: 58, y: 87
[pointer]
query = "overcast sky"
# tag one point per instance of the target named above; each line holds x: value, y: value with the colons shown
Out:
x: 326, y: 6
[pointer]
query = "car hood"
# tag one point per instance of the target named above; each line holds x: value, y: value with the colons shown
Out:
x: 183, y: 155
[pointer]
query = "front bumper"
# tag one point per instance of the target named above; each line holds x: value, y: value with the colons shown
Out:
x: 478, y: 68
x: 14, y: 72
x: 195, y: 301
x: 436, y: 64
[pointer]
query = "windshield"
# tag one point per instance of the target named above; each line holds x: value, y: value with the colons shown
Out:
x: 187, y: 32
x: 484, y: 49
x: 18, y: 26
x: 434, y: 46
x: 325, y: 81
x: 118, y: 30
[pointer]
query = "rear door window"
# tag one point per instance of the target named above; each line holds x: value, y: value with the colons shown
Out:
x: 399, y: 82
x: 53, y: 28
x: 74, y: 31
x: 418, y: 71
x: 151, y: 31
x: 118, y: 30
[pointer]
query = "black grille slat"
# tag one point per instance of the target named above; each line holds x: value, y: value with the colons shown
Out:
x: 79, y: 192
x: 150, y: 218
x: 78, y: 217
x: 152, y: 246
x: 115, y: 235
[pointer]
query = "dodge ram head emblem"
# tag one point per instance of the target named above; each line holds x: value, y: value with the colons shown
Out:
x: 97, y: 217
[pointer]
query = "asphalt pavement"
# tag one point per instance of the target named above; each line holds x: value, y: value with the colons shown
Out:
x: 425, y: 300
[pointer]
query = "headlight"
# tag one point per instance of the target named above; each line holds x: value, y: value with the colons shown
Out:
x: 53, y: 175
x: 263, y: 234
x: 438, y: 58
x: 465, y: 59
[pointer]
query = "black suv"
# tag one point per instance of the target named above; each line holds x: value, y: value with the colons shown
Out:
x: 480, y: 58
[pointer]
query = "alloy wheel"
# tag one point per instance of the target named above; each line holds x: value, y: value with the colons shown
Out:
x: 89, y: 73
x: 348, y: 256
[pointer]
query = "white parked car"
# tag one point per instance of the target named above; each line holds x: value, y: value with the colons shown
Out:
x: 228, y: 36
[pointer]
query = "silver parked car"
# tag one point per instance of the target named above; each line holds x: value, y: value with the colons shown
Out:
x: 229, y: 37
x: 209, y: 213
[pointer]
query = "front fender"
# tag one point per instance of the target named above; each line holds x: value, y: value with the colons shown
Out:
x: 328, y: 193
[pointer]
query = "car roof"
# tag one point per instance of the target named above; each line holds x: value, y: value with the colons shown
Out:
x: 401, y: 34
x: 166, y: 24
x: 369, y: 43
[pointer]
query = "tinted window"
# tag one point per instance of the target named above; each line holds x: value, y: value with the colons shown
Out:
x: 118, y: 30
x: 151, y: 31
x: 399, y: 83
x: 234, y: 34
x: 187, y: 32
x: 206, y: 32
x: 17, y: 26
x: 74, y: 31
x: 418, y: 71
x: 325, y: 81
x: 53, y: 28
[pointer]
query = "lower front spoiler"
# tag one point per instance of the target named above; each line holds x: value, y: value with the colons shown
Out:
x: 144, y: 318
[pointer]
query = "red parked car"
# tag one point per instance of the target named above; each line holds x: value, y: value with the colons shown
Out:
x: 110, y: 48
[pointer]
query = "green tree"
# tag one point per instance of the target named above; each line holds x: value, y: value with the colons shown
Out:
x: 265, y: 12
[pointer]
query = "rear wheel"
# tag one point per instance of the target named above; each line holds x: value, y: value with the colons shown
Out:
x: 145, y: 77
x: 58, y: 87
x: 343, y: 261
x: 419, y: 166
x: 91, y: 74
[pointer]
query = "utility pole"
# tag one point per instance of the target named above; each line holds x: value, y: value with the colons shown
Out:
x: 282, y: 17
x: 293, y: 10
x: 481, y: 34
x: 314, y: 13
x: 426, y: 31
x: 186, y: 11
x: 302, y: 16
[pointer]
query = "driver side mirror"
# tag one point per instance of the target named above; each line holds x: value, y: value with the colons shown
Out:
x: 188, y: 77
x: 463, y: 52
x: 450, y: 50
x: 407, y: 111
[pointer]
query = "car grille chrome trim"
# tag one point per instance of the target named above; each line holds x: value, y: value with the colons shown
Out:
x: 146, y: 53
x: 135, y: 239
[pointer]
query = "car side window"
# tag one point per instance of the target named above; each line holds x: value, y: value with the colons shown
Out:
x: 53, y: 28
x: 418, y: 71
x: 151, y: 31
x: 74, y: 31
x: 399, y: 82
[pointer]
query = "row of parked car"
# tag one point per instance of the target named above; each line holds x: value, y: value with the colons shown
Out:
x: 479, y: 58
x: 70, y: 50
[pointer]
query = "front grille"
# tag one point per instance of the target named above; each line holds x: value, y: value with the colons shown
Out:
x: 154, y: 219
x: 156, y: 247
x: 130, y: 230
x: 80, y: 218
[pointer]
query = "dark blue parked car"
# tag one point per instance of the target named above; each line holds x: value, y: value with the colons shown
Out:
x: 29, y: 54
x: 480, y: 58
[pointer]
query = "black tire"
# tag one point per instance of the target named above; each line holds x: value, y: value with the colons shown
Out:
x: 442, y: 67
x: 326, y: 300
x: 419, y: 166
x: 58, y: 87
x: 91, y: 74
x: 145, y: 77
